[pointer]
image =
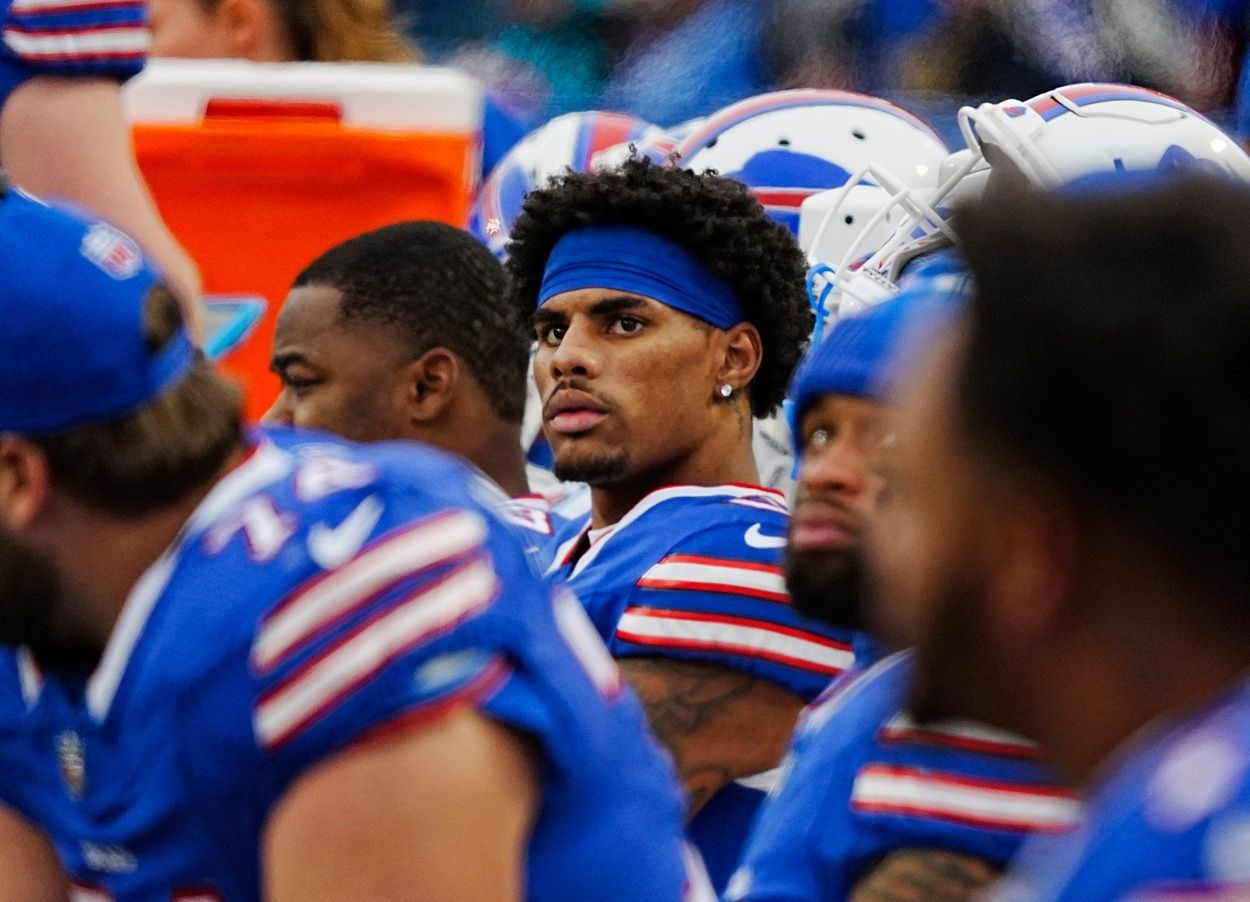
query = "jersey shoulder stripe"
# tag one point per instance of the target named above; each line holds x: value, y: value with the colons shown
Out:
x: 329, y: 598
x: 700, y: 573
x: 992, y: 804
x: 311, y: 690
x: 967, y: 737
x: 740, y: 636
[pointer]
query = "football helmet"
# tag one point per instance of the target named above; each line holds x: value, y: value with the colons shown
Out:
x: 790, y: 145
x: 568, y: 142
x: 1054, y: 138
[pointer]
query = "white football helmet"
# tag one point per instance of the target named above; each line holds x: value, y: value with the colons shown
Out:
x: 1055, y: 138
x: 656, y: 145
x: 566, y: 143
x: 790, y: 145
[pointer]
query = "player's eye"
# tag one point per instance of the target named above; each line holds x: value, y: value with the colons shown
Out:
x: 297, y: 382
x: 626, y: 325
x: 551, y: 336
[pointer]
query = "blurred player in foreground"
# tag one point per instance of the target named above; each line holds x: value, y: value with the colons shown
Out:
x: 243, y: 666
x: 62, y: 134
x: 1066, y: 545
x: 669, y: 310
x: 873, y: 806
x: 405, y: 333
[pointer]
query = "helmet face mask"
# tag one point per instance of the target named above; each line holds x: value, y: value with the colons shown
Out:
x: 1050, y: 140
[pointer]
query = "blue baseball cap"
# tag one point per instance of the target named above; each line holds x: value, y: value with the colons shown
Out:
x: 72, y: 296
x: 861, y: 356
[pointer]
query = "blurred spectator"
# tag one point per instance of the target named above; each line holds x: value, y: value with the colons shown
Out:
x: 687, y: 58
x: 279, y: 30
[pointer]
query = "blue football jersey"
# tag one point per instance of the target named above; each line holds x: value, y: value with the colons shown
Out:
x: 86, y: 37
x: 695, y: 573
x: 1170, y: 820
x: 862, y: 780
x: 322, y: 594
x: 540, y: 518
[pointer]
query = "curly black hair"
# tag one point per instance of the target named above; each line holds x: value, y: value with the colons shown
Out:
x: 715, y: 219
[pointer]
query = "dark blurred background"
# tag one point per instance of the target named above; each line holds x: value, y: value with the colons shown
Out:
x: 671, y: 60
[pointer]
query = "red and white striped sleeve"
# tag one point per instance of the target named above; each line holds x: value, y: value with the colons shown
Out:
x: 72, y: 37
x: 387, y: 637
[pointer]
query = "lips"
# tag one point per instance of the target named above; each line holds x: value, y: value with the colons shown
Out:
x: 572, y: 412
x: 823, y: 526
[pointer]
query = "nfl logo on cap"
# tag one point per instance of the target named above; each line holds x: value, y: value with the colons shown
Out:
x: 112, y: 251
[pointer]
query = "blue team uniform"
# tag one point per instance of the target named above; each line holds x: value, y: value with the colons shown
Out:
x: 1170, y: 820
x: 862, y: 780
x: 52, y: 37
x: 321, y: 595
x: 695, y: 573
x: 541, y: 518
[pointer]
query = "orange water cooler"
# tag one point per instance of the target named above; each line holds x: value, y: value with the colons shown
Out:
x: 258, y: 168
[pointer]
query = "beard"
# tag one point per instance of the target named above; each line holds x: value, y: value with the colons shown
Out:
x: 602, y: 468
x: 828, y: 586
x: 34, y: 609
x: 955, y: 676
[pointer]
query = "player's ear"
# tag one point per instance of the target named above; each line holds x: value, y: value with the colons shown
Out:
x: 430, y: 383
x: 1035, y: 568
x: 247, y: 26
x: 25, y: 481
x: 741, y: 355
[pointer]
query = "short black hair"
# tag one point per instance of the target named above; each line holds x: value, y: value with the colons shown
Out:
x: 715, y: 219
x: 444, y: 289
x: 1108, y: 346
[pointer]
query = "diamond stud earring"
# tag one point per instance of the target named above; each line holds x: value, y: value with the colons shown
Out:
x: 726, y: 390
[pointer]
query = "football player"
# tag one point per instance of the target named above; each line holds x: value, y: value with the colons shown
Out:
x: 266, y: 665
x: 404, y: 333
x: 1066, y: 542
x: 669, y: 310
x: 62, y: 133
x: 873, y: 805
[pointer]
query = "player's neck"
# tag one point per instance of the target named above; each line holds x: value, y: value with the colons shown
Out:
x: 1169, y: 666
x: 712, y: 463
x: 501, y: 458
x: 104, y: 556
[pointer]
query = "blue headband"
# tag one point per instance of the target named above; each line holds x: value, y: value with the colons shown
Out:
x: 624, y: 258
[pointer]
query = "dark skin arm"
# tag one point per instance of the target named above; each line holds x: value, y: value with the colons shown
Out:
x: 718, y: 723
x: 924, y: 875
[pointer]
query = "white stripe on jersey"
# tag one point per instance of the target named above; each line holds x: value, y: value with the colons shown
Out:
x: 132, y: 40
x: 982, y: 803
x: 659, y: 497
x: 734, y: 635
x: 53, y: 7
x: 696, y: 573
x: 290, y: 707
x: 315, y: 605
x: 960, y: 734
x: 29, y: 676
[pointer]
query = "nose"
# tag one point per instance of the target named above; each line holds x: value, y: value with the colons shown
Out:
x: 280, y: 413
x: 839, y: 467
x: 578, y: 354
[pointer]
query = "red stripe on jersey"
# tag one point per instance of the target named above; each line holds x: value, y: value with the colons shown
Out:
x: 963, y: 743
x: 468, y: 695
x: 31, y: 10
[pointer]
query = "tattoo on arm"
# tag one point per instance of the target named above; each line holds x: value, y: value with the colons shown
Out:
x: 924, y: 875
x: 719, y: 723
